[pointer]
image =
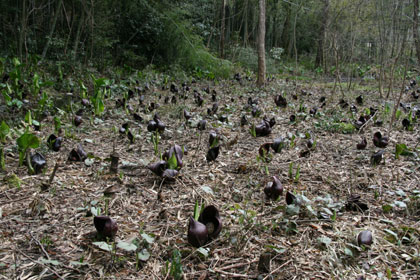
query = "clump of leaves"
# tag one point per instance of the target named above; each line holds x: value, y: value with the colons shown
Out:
x: 176, y: 266
x: 296, y: 177
x: 100, y: 86
x: 403, y: 150
x: 26, y: 141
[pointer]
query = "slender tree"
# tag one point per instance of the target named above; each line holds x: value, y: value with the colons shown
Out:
x: 319, y: 60
x: 54, y: 22
x: 416, y: 29
x: 261, y: 44
x: 222, y: 30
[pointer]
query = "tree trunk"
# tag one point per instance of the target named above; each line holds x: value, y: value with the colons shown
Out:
x: 261, y: 45
x: 214, y: 24
x: 245, y: 23
x: 416, y: 29
x: 222, y: 30
x: 285, y: 36
x: 78, y: 32
x: 44, y: 52
x: 22, y: 32
x: 92, y: 24
x: 319, y: 60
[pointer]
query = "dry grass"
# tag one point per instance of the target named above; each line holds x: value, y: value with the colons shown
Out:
x: 54, y: 225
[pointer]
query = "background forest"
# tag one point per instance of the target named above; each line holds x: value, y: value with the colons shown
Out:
x: 322, y: 35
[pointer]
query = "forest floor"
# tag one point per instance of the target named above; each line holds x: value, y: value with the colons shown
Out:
x: 49, y: 234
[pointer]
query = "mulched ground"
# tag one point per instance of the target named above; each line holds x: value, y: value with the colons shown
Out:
x: 41, y: 227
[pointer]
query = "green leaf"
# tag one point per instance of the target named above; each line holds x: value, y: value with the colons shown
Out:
x: 25, y: 141
x: 103, y: 246
x: 292, y: 209
x: 291, y: 170
x: 16, y: 62
x: 402, y: 149
x: 126, y: 246
x: 95, y: 211
x: 386, y: 208
x: 100, y: 82
x: 348, y: 252
x: 172, y: 162
x: 311, y: 210
x: 297, y: 175
x: 392, y: 236
x: 324, y: 240
x: 252, y: 131
x: 7, y: 98
x: 57, y: 124
x: 77, y: 263
x: 398, y: 114
x: 99, y: 106
x: 276, y: 249
x: 207, y: 190
x: 292, y: 143
x: 2, y: 160
x: 143, y: 255
x: 291, y: 227
x: 196, y: 211
x: 388, y: 273
x: 89, y: 161
x: 149, y: 239
x: 53, y: 262
x: 13, y: 181
x: 4, y: 131
x: 28, y: 117
x: 400, y: 204
x: 203, y: 251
